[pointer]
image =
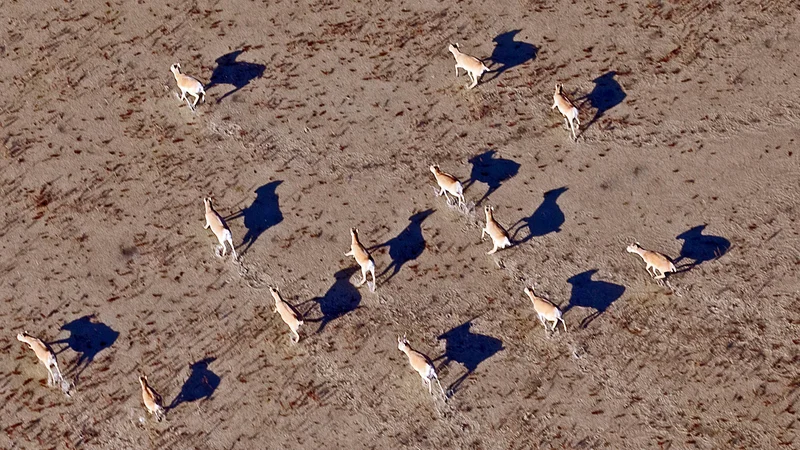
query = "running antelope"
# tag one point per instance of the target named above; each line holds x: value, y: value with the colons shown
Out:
x: 654, y: 260
x: 448, y: 183
x: 288, y: 314
x: 472, y: 65
x: 48, y: 358
x: 188, y: 85
x: 421, y: 363
x: 546, y: 311
x: 363, y: 259
x: 566, y: 108
x: 152, y: 401
x: 495, y: 231
x: 218, y: 226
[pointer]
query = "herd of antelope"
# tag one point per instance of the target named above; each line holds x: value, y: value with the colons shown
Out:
x: 448, y: 184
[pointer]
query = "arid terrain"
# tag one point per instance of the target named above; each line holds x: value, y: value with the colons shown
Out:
x: 325, y: 115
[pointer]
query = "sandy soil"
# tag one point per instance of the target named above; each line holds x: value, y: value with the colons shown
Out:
x: 326, y: 115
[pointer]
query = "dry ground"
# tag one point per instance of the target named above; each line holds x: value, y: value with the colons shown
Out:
x: 326, y: 115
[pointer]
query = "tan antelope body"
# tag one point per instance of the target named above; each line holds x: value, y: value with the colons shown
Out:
x: 448, y: 184
x: 654, y: 260
x: 218, y: 226
x: 288, y: 314
x: 48, y: 358
x: 495, y: 231
x: 566, y: 108
x: 546, y: 311
x: 472, y: 65
x: 188, y: 85
x: 363, y: 259
x: 152, y: 401
x: 420, y: 363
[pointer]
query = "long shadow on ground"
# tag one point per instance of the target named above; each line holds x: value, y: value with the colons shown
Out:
x: 508, y: 53
x: 491, y: 171
x: 547, y: 218
x: 606, y: 94
x: 406, y: 246
x: 236, y: 73
x: 468, y: 349
x: 263, y: 214
x: 88, y: 338
x: 201, y: 384
x: 341, y: 299
x: 700, y: 247
x: 588, y: 293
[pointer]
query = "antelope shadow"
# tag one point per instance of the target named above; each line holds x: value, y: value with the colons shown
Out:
x: 237, y: 73
x: 588, y: 293
x: 468, y: 349
x: 700, y: 247
x: 491, y: 171
x: 342, y: 298
x: 546, y: 219
x: 263, y: 214
x: 406, y: 246
x: 606, y: 94
x: 509, y: 53
x: 201, y: 384
x: 88, y: 338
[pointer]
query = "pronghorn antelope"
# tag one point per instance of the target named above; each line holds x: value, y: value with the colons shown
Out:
x: 218, y: 226
x: 654, y: 260
x: 288, y: 314
x: 48, y: 358
x: 448, y: 183
x: 421, y: 363
x: 566, y: 108
x: 495, y: 231
x: 472, y: 65
x: 546, y: 311
x: 363, y: 259
x: 152, y: 401
x: 188, y: 85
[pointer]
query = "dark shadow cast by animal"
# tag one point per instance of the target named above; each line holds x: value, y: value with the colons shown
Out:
x: 547, y: 218
x: 201, y: 384
x: 491, y: 171
x: 406, y: 246
x: 606, y: 94
x: 700, y: 247
x: 88, y: 338
x: 509, y: 53
x: 468, y: 349
x: 264, y: 213
x: 341, y: 298
x: 237, y: 73
x: 588, y: 293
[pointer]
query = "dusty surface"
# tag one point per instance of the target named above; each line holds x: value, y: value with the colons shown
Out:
x: 689, y: 118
